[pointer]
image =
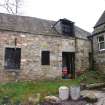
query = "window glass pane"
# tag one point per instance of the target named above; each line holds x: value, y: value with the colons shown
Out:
x: 12, y: 58
x: 45, y: 58
x: 101, y: 38
x: 102, y: 45
x: 67, y: 28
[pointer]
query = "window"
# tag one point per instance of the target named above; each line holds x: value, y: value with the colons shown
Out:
x: 12, y: 58
x: 101, y: 42
x: 45, y: 58
x: 67, y: 27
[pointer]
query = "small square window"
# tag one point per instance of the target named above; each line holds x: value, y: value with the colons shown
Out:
x: 45, y: 60
x: 101, y: 38
x: 12, y: 58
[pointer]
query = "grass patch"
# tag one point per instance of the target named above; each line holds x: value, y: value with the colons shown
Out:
x: 22, y: 90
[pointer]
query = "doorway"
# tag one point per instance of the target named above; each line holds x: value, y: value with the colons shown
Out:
x: 68, y: 65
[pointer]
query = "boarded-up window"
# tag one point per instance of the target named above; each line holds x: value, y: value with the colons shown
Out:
x: 12, y: 58
x: 45, y: 58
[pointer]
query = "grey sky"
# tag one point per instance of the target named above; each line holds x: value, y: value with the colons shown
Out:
x: 84, y: 13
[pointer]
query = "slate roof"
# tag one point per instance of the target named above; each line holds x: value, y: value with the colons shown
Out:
x: 80, y: 33
x: 33, y: 25
x: 101, y: 20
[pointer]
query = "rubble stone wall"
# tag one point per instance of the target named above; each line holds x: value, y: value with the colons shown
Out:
x: 99, y: 56
x: 31, y: 48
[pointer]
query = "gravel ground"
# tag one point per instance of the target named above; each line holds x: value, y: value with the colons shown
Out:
x: 81, y: 102
x: 70, y: 102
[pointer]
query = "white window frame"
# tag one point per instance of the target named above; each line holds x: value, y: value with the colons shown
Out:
x: 99, y: 42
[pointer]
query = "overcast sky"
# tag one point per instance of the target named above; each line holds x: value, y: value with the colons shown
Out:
x: 84, y: 13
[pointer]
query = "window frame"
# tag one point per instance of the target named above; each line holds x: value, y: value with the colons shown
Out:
x: 10, y: 68
x: 100, y: 42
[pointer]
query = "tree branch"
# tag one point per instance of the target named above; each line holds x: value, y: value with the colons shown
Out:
x: 11, y: 6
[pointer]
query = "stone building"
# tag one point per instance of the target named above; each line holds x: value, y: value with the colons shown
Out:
x: 98, y: 44
x: 33, y: 48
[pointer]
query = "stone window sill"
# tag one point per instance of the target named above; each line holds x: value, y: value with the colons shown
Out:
x: 102, y: 50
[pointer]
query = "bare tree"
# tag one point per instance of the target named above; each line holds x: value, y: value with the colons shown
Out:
x: 11, y: 6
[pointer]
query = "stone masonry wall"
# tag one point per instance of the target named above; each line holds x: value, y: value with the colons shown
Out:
x: 99, y: 56
x: 31, y: 47
x: 83, y: 48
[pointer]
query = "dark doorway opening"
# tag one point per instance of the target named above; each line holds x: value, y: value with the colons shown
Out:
x: 68, y: 65
x: 90, y: 61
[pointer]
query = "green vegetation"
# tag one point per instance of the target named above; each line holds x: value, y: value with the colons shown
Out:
x: 90, y: 77
x: 23, y: 90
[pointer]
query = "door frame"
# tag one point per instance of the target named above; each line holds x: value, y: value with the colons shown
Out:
x: 68, y: 65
